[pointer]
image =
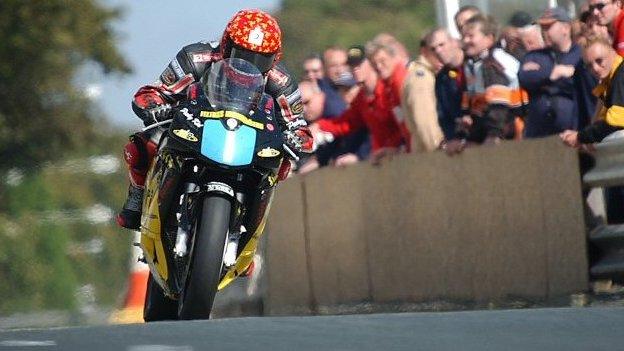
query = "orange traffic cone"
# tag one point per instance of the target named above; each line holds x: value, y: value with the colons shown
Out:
x: 132, y: 312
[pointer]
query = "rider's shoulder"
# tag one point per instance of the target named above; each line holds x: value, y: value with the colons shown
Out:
x: 202, y: 51
x: 279, y: 77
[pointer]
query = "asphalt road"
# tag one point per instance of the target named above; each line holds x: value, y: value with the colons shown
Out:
x: 531, y: 329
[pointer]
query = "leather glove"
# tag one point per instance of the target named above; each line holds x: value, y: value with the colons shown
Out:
x: 293, y: 141
x: 156, y: 113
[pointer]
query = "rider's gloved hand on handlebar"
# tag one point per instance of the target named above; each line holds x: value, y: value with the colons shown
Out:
x: 298, y: 140
x: 156, y: 113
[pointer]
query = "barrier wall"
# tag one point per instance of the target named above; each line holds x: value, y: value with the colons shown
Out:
x: 491, y: 223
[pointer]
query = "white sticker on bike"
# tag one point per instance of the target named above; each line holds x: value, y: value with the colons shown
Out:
x: 220, y: 187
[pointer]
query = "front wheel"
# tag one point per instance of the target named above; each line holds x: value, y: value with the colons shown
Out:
x: 205, y: 270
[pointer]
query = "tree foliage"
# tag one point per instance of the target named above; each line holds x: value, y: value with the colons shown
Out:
x: 44, y: 44
x: 45, y: 117
x: 311, y: 26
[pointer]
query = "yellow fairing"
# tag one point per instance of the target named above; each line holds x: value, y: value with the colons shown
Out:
x: 246, y: 257
x: 150, y: 224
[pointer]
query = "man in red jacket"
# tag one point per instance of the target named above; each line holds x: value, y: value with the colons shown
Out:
x: 392, y: 70
x: 369, y: 110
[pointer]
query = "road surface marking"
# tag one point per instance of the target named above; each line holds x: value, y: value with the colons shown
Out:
x: 26, y: 343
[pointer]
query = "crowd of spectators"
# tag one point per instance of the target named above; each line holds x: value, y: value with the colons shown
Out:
x: 551, y: 75
x: 555, y: 74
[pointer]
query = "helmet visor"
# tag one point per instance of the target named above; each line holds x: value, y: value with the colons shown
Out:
x: 233, y: 84
x: 264, y: 62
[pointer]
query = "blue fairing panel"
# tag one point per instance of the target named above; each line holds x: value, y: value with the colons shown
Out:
x: 232, y: 148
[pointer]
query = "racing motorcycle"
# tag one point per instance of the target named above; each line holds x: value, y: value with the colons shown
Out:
x: 208, y: 191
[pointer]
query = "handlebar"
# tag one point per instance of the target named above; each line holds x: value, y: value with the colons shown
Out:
x: 290, y: 152
x: 152, y: 126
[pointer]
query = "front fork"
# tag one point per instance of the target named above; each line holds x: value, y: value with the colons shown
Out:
x: 238, y: 233
x: 185, y: 215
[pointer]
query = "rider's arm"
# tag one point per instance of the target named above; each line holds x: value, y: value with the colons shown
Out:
x: 172, y: 84
x: 289, y: 109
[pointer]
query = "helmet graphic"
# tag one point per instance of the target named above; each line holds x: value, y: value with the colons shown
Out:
x: 254, y: 36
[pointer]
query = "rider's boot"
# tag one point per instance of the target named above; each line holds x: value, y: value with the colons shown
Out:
x: 130, y: 215
x: 138, y: 154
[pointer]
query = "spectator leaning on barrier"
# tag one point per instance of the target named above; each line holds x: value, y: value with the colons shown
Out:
x: 399, y: 48
x: 335, y: 63
x: 419, y: 102
x: 607, y: 66
x: 364, y: 112
x: 559, y: 86
x: 492, y: 89
x: 312, y: 99
x: 609, y: 13
x: 390, y: 67
x: 449, y: 82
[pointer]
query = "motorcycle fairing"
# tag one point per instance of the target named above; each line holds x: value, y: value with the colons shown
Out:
x: 247, y: 254
x: 228, y: 147
x: 160, y: 186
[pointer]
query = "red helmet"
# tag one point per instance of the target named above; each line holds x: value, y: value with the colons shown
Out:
x: 254, y: 36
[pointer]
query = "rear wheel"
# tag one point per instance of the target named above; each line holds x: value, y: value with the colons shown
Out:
x: 158, y: 307
x: 205, y: 270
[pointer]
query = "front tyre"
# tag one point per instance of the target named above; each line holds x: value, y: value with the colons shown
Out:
x: 205, y: 271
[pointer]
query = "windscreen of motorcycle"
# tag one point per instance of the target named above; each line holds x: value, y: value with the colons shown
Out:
x: 233, y: 84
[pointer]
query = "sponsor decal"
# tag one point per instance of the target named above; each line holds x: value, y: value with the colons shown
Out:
x: 268, y: 152
x: 175, y: 65
x: 272, y: 180
x: 256, y: 36
x: 294, y: 97
x: 186, y: 134
x: 232, y: 114
x: 278, y: 77
x: 220, y: 187
x: 297, y: 108
x: 186, y: 113
x: 189, y: 117
x: 287, y: 113
x: 202, y: 57
x: 168, y: 77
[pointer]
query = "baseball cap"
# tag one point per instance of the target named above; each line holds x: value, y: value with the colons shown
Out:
x: 355, y: 55
x: 520, y: 19
x: 554, y: 14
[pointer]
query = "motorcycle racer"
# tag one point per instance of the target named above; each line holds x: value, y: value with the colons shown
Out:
x: 252, y: 35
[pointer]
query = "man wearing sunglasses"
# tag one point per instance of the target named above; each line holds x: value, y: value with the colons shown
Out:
x: 610, y: 14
